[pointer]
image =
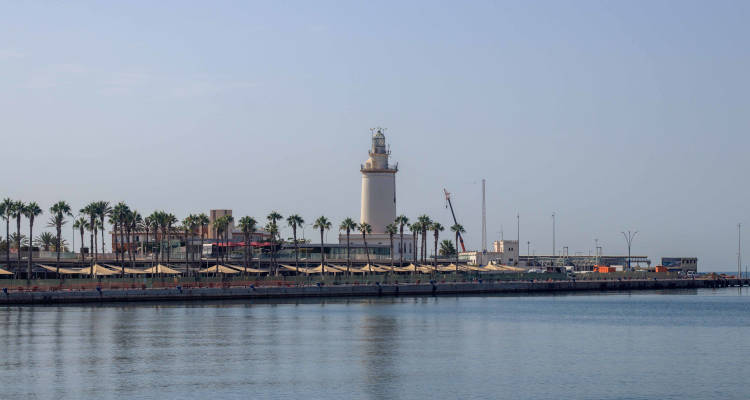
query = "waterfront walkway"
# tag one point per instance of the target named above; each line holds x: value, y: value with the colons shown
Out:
x: 281, y: 289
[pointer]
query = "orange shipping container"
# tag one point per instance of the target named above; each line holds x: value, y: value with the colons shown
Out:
x: 660, y: 268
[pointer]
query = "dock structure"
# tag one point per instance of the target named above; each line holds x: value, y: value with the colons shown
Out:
x: 282, y: 291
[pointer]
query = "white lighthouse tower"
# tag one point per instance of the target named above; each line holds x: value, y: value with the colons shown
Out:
x: 378, y: 185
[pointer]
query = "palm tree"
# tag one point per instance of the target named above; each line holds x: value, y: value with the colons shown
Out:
x: 273, y: 228
x: 348, y: 225
x: 81, y: 224
x: 458, y: 229
x: 415, y: 228
x: 219, y: 228
x: 202, y: 220
x: 6, y: 212
x: 391, y: 230
x: 134, y: 220
x: 295, y: 221
x: 323, y: 224
x: 247, y: 225
x: 90, y: 211
x: 18, y: 208
x: 169, y: 220
x: 102, y: 210
x: 446, y: 248
x: 31, y: 211
x: 425, y: 223
x: 59, y: 211
x: 365, y: 228
x: 436, y: 227
x: 187, y: 224
x: 401, y: 221
x: 118, y: 218
x: 45, y: 240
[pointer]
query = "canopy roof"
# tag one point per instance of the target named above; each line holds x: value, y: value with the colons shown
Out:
x: 4, y: 272
x: 249, y: 269
x: 96, y: 270
x: 127, y: 270
x: 161, y: 269
x: 66, y: 271
x: 218, y: 269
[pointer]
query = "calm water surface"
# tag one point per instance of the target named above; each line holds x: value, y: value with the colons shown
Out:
x: 645, y: 345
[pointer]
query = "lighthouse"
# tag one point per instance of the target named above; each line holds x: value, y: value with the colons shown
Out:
x: 378, y: 185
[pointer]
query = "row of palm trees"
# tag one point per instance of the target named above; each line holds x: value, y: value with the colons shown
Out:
x: 126, y: 221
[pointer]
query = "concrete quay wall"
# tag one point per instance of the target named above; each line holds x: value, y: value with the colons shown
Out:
x: 425, y: 289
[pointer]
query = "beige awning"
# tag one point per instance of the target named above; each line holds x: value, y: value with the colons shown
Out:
x: 249, y: 269
x: 4, y: 272
x: 97, y: 270
x: 131, y: 271
x: 161, y: 269
x: 218, y: 269
x: 66, y: 271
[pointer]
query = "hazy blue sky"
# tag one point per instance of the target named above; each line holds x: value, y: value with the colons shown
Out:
x: 615, y: 115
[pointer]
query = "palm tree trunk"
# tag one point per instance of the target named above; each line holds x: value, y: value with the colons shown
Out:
x: 7, y: 240
x: 436, y: 254
x: 348, y: 254
x: 57, y: 263
x: 296, y: 250
x: 401, y: 247
x: 31, y: 235
x: 322, y: 255
x: 456, y: 251
x: 18, y: 239
x: 367, y: 250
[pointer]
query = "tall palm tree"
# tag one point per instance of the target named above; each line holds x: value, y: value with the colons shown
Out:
x: 247, y: 225
x: 153, y: 222
x: 31, y: 211
x: 415, y: 228
x: 169, y: 220
x: 425, y: 223
x: 81, y: 224
x: 365, y: 228
x: 436, y: 228
x: 186, y: 227
x: 59, y: 211
x: 401, y: 221
x: 391, y: 230
x: 134, y: 221
x: 295, y: 221
x: 202, y: 220
x: 458, y: 229
x: 323, y: 224
x: 117, y: 218
x: 273, y: 228
x: 18, y: 212
x: 6, y: 212
x: 219, y: 228
x: 102, y: 211
x: 90, y: 211
x: 348, y: 225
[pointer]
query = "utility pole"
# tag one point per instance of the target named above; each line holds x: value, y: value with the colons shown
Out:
x: 629, y: 239
x: 739, y: 249
x: 518, y: 235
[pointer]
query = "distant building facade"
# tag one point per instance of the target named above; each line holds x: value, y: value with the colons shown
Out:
x: 680, y: 264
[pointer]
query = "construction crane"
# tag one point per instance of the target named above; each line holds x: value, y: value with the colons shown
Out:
x: 449, y: 204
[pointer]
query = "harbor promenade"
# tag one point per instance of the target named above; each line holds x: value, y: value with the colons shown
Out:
x: 282, y: 290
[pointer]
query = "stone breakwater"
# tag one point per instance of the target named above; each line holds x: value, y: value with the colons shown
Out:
x: 282, y: 292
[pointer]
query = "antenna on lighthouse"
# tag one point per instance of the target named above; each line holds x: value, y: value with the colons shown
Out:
x: 484, y: 220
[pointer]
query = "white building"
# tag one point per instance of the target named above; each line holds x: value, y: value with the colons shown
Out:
x: 505, y: 252
x: 378, y: 203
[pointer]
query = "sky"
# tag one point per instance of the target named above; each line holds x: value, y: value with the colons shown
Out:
x: 615, y: 116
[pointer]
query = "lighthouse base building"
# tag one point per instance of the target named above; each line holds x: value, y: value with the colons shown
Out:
x: 378, y: 207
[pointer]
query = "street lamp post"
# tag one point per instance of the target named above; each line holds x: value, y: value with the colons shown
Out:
x: 629, y: 239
